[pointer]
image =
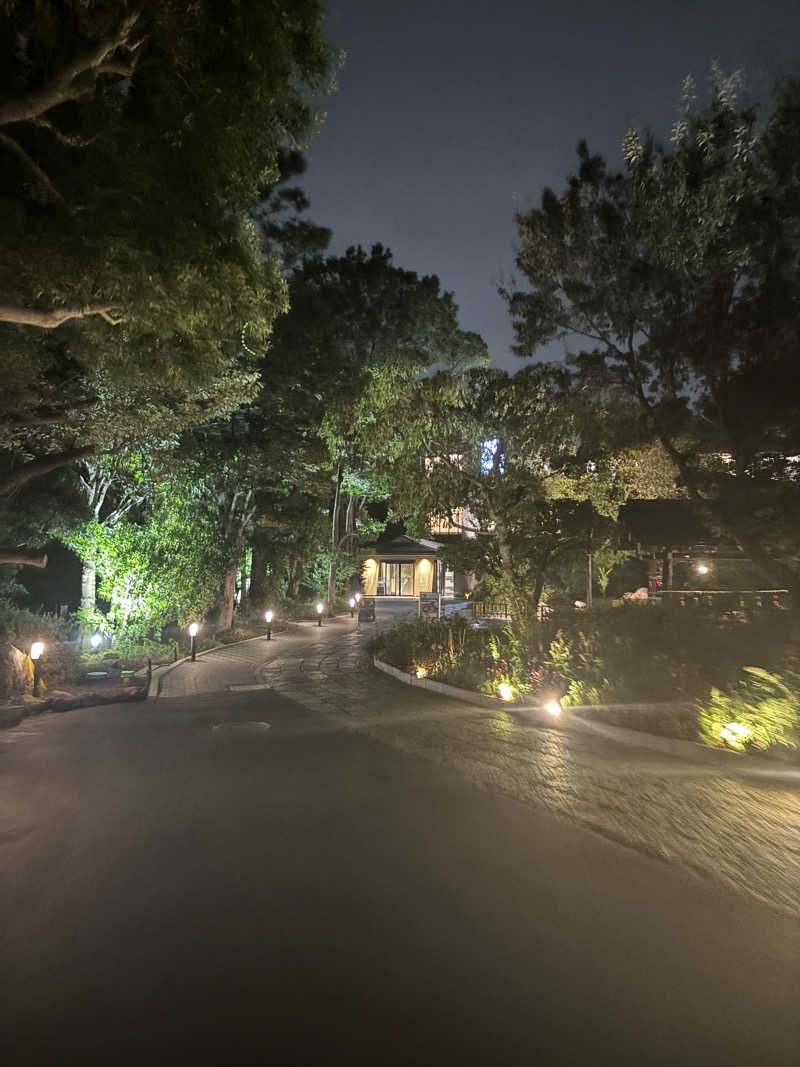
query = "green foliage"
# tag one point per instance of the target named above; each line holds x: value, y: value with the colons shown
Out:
x: 124, y: 203
x: 761, y: 713
x: 675, y: 285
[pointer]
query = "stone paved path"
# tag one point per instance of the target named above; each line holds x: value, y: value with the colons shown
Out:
x: 740, y: 832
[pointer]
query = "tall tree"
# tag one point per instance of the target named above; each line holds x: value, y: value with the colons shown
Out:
x: 135, y: 138
x: 675, y: 283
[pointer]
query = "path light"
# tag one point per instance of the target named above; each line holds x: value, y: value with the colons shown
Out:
x: 268, y: 618
x: 96, y: 640
x: 358, y: 598
x: 703, y: 568
x: 352, y: 603
x: 193, y: 628
x: 320, y: 609
x: 553, y: 707
x: 37, y: 648
x: 505, y: 691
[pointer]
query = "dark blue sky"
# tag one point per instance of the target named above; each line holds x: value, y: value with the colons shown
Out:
x: 451, y: 113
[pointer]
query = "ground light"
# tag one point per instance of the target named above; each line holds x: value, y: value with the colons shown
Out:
x: 505, y: 691
x: 95, y: 640
x: 193, y: 628
x: 37, y: 648
x: 320, y: 609
x: 552, y: 707
x: 703, y: 568
x: 352, y: 603
x: 268, y: 618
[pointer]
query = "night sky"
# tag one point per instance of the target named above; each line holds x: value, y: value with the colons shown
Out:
x: 450, y: 114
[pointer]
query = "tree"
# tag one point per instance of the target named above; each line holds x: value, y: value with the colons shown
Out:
x: 359, y: 334
x: 508, y: 450
x: 676, y: 285
x: 134, y: 141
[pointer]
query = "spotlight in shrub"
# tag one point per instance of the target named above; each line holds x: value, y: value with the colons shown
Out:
x: 553, y: 707
x: 735, y: 733
x: 505, y: 691
x: 95, y: 640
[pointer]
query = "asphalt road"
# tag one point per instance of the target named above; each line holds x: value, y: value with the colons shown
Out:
x: 173, y: 892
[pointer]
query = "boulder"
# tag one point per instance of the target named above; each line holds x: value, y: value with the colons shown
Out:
x: 16, y: 673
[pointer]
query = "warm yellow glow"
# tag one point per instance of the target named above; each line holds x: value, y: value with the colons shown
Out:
x: 371, y: 564
x: 320, y: 608
x: 702, y: 568
x: 735, y: 734
x: 193, y: 628
x: 37, y: 648
x: 505, y: 691
x: 352, y: 601
x: 421, y: 672
x: 553, y: 707
x: 424, y: 564
x: 268, y: 616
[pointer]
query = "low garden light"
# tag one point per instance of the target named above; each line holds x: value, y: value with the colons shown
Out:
x: 358, y: 598
x: 37, y: 648
x: 553, y: 707
x: 268, y: 617
x: 320, y: 609
x: 352, y: 603
x: 193, y: 629
x: 96, y: 640
x: 505, y: 691
x: 703, y: 568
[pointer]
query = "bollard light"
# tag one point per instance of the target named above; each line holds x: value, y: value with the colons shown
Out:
x: 358, y: 598
x: 37, y: 648
x: 553, y: 707
x: 268, y: 618
x: 352, y: 603
x: 320, y: 609
x: 95, y: 640
x: 193, y: 628
x: 702, y: 568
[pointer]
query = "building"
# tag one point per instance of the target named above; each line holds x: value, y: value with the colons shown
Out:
x: 399, y: 566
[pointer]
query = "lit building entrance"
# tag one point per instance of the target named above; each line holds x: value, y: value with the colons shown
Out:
x: 396, y: 579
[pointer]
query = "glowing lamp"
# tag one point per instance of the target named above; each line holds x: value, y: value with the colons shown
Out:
x: 702, y: 568
x: 95, y: 640
x: 268, y: 616
x: 505, y: 691
x: 193, y: 629
x: 552, y: 707
x: 320, y: 609
x: 37, y: 648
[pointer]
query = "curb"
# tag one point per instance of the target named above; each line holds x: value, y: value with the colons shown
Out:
x: 689, y: 750
x: 15, y: 714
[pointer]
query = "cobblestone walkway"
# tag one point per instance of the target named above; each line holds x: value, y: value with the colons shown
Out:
x: 742, y: 833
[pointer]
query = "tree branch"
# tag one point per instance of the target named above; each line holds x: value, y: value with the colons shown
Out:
x: 55, y: 317
x: 12, y: 480
x: 14, y: 557
x: 68, y: 83
x: 71, y: 140
x: 16, y: 148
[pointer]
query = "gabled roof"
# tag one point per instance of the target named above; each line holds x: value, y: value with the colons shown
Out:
x: 405, y: 546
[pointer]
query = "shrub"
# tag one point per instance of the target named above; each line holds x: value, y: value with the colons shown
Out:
x: 760, y: 713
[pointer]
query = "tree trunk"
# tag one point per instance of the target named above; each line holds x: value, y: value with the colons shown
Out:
x: 258, y: 577
x: 227, y: 598
x: 337, y: 503
x: 666, y: 569
x: 297, y: 572
x: 88, y: 585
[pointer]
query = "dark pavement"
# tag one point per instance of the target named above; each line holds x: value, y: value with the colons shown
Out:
x: 175, y: 893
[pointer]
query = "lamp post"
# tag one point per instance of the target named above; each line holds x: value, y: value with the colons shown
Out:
x: 193, y: 628
x: 37, y: 648
x: 320, y: 609
x: 352, y: 603
x: 268, y: 618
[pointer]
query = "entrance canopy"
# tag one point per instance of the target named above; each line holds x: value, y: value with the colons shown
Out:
x: 402, y: 566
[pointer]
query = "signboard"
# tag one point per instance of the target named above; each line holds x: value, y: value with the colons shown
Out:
x: 430, y: 605
x: 366, y: 609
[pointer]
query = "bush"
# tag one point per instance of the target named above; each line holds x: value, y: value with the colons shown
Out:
x: 759, y: 714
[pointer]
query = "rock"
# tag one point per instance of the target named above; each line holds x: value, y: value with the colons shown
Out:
x: 639, y: 594
x: 16, y: 673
